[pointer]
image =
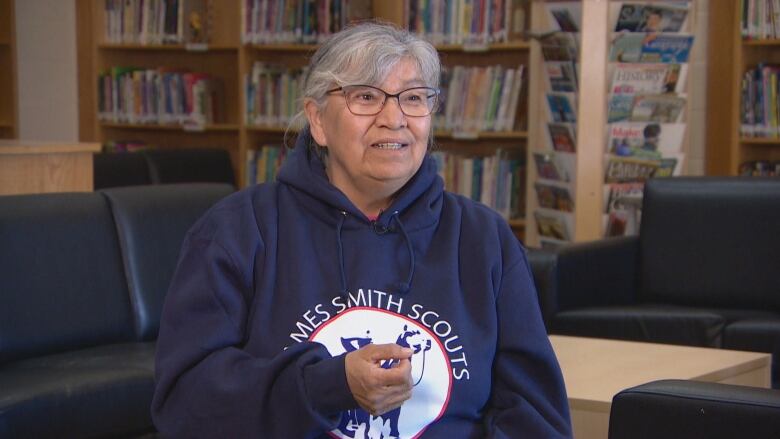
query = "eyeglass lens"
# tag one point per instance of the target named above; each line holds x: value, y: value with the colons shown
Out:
x: 367, y: 100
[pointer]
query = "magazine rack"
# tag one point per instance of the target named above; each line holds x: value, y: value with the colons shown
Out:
x: 586, y: 189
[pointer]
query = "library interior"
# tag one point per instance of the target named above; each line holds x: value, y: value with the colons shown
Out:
x: 566, y: 213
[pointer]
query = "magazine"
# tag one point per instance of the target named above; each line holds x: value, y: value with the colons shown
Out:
x: 657, y: 17
x: 657, y: 108
x: 562, y: 107
x: 562, y: 137
x: 628, y: 169
x: 559, y: 47
x: 645, y: 140
x: 554, y: 166
x: 561, y: 76
x: 565, y: 16
x: 618, y: 195
x: 556, y: 197
x: 553, y: 224
x: 651, y: 48
x: 631, y: 79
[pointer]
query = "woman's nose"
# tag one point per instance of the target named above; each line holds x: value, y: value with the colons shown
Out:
x: 391, y: 115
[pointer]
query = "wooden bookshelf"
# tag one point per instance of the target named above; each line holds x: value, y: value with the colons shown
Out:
x: 227, y: 58
x: 8, y: 71
x: 729, y: 57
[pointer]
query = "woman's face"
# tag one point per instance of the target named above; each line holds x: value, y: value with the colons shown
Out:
x: 372, y: 153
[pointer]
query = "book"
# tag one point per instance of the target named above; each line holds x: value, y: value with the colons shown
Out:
x: 195, y: 21
x: 651, y: 48
x: 554, y: 165
x: 645, y: 140
x: 562, y: 137
x: 657, y: 17
x: 559, y: 47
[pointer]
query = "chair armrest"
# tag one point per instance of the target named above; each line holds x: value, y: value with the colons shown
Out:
x: 675, y: 409
x: 601, y: 272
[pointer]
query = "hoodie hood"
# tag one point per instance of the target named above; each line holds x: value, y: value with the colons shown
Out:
x: 418, y: 203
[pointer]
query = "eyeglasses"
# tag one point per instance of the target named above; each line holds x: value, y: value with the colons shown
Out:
x: 365, y: 100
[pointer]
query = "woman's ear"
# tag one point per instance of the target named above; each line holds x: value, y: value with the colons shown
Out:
x: 314, y: 116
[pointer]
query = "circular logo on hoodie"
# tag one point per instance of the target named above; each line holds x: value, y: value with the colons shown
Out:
x: 431, y: 372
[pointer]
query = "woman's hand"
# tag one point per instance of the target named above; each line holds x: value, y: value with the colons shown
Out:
x: 376, y: 389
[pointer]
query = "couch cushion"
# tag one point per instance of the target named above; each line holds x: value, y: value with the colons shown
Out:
x: 190, y: 165
x: 759, y: 335
x: 651, y: 323
x: 113, y: 169
x: 62, y: 285
x: 97, y: 392
x: 711, y: 242
x: 152, y: 222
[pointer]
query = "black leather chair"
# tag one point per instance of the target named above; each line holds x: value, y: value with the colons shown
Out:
x: 189, y: 165
x: 703, y: 270
x: 163, y: 166
x: 82, y: 281
x: 679, y: 409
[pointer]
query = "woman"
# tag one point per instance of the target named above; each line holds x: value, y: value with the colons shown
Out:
x: 354, y: 297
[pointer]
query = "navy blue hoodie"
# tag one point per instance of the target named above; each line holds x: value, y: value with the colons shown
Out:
x: 276, y: 283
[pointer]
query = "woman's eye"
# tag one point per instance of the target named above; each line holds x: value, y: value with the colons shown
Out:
x: 366, y: 97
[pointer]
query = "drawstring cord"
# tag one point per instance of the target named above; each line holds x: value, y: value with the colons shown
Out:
x: 403, y: 287
x: 341, y: 252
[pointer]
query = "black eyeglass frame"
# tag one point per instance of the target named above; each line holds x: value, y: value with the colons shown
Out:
x: 397, y: 96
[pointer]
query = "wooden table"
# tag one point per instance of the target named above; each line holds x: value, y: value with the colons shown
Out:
x: 34, y: 167
x: 596, y: 369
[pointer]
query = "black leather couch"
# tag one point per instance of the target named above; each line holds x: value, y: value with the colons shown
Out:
x: 160, y: 166
x: 704, y: 271
x: 679, y: 409
x: 82, y: 281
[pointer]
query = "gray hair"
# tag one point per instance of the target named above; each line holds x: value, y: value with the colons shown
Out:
x: 364, y: 53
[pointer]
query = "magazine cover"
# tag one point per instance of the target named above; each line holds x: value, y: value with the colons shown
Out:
x: 634, y: 17
x: 628, y: 169
x: 554, y: 225
x: 562, y: 137
x: 560, y: 47
x: 562, y: 107
x: 561, y: 76
x: 617, y: 195
x: 554, y: 166
x: 565, y: 16
x: 657, y: 108
x: 648, y: 78
x: 556, y: 197
x: 651, y: 48
x: 645, y: 140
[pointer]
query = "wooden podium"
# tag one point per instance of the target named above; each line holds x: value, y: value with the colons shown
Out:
x: 34, y: 167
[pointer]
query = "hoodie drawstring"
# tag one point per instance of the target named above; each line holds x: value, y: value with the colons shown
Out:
x: 341, y: 253
x: 403, y: 287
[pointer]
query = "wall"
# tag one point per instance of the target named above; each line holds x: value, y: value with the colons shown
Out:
x: 46, y: 60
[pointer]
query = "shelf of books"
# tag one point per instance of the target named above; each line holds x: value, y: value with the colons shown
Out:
x: 202, y: 73
x: 647, y: 104
x: 744, y: 61
x: 8, y: 102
